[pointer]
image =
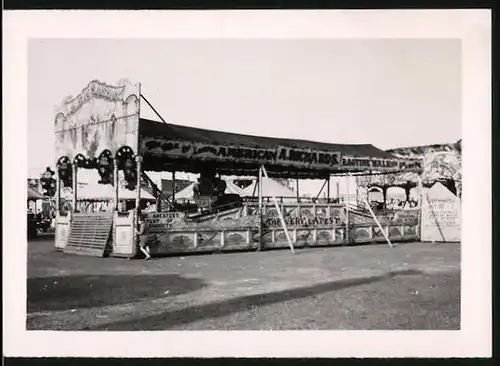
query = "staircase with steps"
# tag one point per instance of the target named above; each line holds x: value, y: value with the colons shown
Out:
x: 90, y: 234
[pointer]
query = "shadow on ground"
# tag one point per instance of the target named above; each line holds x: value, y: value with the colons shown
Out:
x: 76, y: 292
x: 223, y: 308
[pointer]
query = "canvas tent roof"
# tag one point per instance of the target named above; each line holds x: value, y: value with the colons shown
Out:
x: 185, y: 133
x: 169, y: 147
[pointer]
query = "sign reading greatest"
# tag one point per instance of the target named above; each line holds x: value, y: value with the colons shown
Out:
x: 304, y: 221
x: 160, y: 221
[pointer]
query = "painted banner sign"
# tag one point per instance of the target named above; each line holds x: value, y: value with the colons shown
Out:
x: 379, y: 164
x: 355, y: 163
x: 102, y: 117
x: 285, y: 156
x: 308, y: 158
x: 411, y: 165
x: 303, y: 221
x: 184, y: 149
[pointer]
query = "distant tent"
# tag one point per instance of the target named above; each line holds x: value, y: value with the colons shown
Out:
x: 104, y: 192
x: 270, y: 187
x: 232, y: 188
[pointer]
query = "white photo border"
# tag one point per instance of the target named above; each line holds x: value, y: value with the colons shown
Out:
x: 473, y: 27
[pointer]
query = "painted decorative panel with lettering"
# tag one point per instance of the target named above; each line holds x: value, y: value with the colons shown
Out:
x: 441, y: 215
x: 102, y: 117
x: 281, y: 155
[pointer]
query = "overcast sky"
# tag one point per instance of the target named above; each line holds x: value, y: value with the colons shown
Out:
x: 388, y: 93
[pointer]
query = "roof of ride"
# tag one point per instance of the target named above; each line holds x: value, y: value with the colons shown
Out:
x: 158, y: 130
x: 152, y: 128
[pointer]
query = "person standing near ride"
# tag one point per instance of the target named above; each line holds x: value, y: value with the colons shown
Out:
x: 142, y: 231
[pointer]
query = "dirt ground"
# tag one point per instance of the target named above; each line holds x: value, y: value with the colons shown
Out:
x: 411, y: 286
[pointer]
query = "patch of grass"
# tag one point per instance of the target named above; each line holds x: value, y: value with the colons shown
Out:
x: 415, y: 301
x: 411, y: 286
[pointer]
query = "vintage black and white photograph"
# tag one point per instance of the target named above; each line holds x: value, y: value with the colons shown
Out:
x: 254, y: 183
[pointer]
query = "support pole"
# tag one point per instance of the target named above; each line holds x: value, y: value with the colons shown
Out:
x: 420, y: 202
x: 58, y: 193
x: 75, y: 185
x: 158, y: 203
x: 298, y: 194
x: 328, y: 189
x: 384, y: 194
x: 378, y: 223
x: 347, y: 221
x: 138, y: 160
x: 259, y: 182
x: 280, y: 214
x: 173, y: 187
x: 255, y: 186
x: 407, y: 189
x: 116, y: 184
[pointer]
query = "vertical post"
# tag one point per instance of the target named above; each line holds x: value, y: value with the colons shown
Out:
x: 420, y: 204
x: 348, y: 221
x: 357, y: 193
x: 116, y: 183
x: 298, y: 193
x: 328, y: 189
x: 58, y: 192
x: 75, y: 185
x: 384, y: 194
x: 407, y: 189
x: 173, y: 187
x: 158, y: 203
x: 138, y: 160
x: 259, y: 182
